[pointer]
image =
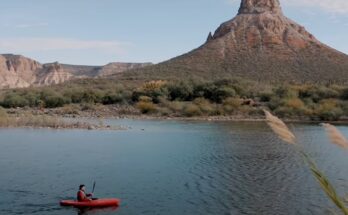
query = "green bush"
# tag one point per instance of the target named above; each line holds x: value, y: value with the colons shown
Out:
x: 317, y: 93
x: 344, y: 94
x: 215, y: 93
x: 112, y: 98
x: 265, y: 97
x: 55, y: 101
x: 14, y: 100
x: 180, y: 91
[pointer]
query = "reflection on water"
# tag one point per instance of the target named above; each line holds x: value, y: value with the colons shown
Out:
x: 92, y: 211
x: 170, y: 168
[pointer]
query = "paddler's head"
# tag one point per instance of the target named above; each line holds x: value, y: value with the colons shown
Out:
x: 82, y: 187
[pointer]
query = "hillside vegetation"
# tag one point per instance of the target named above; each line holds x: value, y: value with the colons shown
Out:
x: 225, y: 97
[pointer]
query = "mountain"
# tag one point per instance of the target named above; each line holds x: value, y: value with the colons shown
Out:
x: 260, y: 44
x: 17, y: 71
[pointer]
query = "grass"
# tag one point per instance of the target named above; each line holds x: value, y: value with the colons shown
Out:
x: 284, y: 133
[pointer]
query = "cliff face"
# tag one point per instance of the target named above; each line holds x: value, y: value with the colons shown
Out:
x: 52, y: 74
x: 17, y: 71
x: 261, y: 44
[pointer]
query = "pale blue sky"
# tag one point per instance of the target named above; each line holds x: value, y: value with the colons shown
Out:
x: 95, y: 32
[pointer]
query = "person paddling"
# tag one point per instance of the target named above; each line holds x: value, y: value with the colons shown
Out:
x: 82, y: 196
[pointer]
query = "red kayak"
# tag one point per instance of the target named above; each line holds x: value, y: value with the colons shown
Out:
x: 99, y: 203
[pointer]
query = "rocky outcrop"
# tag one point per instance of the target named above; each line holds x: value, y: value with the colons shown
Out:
x: 260, y: 44
x: 259, y: 6
x: 17, y: 71
x: 261, y: 24
x: 210, y: 37
x: 52, y: 74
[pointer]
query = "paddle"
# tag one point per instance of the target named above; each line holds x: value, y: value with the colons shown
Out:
x: 93, y: 190
x: 93, y: 187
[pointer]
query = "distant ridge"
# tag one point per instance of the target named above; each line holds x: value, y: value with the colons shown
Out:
x: 17, y: 71
x: 260, y: 44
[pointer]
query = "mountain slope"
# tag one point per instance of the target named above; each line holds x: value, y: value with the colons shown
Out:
x: 261, y: 44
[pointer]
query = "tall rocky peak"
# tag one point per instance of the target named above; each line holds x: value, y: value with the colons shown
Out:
x: 261, y: 44
x: 259, y: 6
x: 261, y: 24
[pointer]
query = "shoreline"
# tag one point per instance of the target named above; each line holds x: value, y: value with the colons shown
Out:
x: 110, y: 113
x: 212, y: 119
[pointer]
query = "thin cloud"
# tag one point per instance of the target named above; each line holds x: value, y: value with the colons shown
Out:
x: 19, y: 45
x: 32, y: 25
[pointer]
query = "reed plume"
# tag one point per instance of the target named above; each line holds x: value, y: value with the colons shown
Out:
x: 280, y: 128
x: 335, y: 136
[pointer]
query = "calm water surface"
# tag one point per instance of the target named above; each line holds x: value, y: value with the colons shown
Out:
x: 168, y: 168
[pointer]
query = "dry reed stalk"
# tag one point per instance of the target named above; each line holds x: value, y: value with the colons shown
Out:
x: 280, y: 128
x: 335, y: 136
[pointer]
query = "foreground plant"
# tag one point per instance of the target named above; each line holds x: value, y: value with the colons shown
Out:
x: 284, y: 133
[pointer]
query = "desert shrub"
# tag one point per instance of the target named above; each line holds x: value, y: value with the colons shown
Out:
x: 285, y: 92
x: 152, y: 89
x: 145, y: 105
x: 154, y: 94
x: 295, y: 103
x: 291, y: 107
x: 92, y: 96
x: 175, y: 106
x: 231, y: 105
x: 89, y: 107
x: 191, y: 110
x: 164, y: 111
x: 204, y: 105
x: 70, y: 109
x: 329, y: 110
x: 112, y: 98
x: 75, y: 95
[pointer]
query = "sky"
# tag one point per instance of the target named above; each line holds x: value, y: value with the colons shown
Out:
x: 96, y: 32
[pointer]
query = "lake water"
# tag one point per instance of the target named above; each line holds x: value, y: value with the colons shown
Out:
x: 169, y: 168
